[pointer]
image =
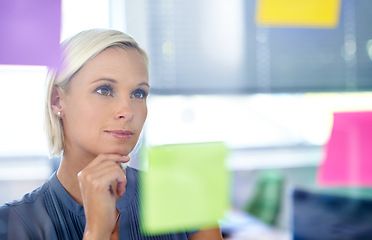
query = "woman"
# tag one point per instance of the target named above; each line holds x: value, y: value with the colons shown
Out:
x: 95, y: 111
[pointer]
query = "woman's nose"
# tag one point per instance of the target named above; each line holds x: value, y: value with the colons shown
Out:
x: 125, y: 110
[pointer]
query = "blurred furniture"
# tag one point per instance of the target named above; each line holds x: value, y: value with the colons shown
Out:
x: 319, y: 216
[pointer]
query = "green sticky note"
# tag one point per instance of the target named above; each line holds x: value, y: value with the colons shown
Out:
x: 186, y: 187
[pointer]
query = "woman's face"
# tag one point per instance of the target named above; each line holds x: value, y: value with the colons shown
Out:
x: 105, y: 107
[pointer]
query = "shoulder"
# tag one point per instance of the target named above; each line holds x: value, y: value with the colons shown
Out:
x: 133, y: 177
x: 18, y: 217
x: 28, y: 199
x: 133, y: 171
x: 24, y: 211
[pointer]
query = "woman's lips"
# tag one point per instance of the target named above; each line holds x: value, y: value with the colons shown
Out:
x: 120, y: 134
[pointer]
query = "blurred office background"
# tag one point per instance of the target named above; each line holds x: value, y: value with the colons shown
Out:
x: 216, y: 75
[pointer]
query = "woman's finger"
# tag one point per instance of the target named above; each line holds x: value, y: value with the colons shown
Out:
x: 108, y: 157
x: 107, y: 175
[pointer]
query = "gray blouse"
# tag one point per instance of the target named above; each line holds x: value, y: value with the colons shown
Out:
x: 49, y: 212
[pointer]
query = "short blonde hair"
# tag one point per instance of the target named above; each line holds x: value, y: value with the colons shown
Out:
x: 76, y: 52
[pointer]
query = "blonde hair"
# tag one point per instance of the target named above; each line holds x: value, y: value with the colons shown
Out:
x: 76, y: 52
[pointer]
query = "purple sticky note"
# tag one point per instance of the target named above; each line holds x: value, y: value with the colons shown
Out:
x: 30, y: 32
x: 348, y: 154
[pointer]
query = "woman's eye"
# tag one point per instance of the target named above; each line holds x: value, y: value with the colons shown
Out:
x: 105, y: 90
x: 139, y: 94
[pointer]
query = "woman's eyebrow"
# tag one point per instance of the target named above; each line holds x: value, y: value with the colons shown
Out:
x: 106, y: 80
x: 114, y: 81
x: 144, y: 84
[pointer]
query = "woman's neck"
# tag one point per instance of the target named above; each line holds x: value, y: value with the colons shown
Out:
x: 70, y: 166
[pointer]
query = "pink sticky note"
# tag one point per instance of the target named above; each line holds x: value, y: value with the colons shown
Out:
x: 348, y: 154
x: 30, y: 32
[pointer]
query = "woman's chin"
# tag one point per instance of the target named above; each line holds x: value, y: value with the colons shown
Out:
x: 121, y: 151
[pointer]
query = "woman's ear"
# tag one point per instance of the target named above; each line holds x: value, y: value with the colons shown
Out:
x: 56, y: 101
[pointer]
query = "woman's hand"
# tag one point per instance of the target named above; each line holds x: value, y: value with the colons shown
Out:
x: 102, y: 183
x: 212, y: 233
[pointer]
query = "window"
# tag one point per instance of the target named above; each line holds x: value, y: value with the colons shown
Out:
x: 22, y: 96
x: 217, y: 47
